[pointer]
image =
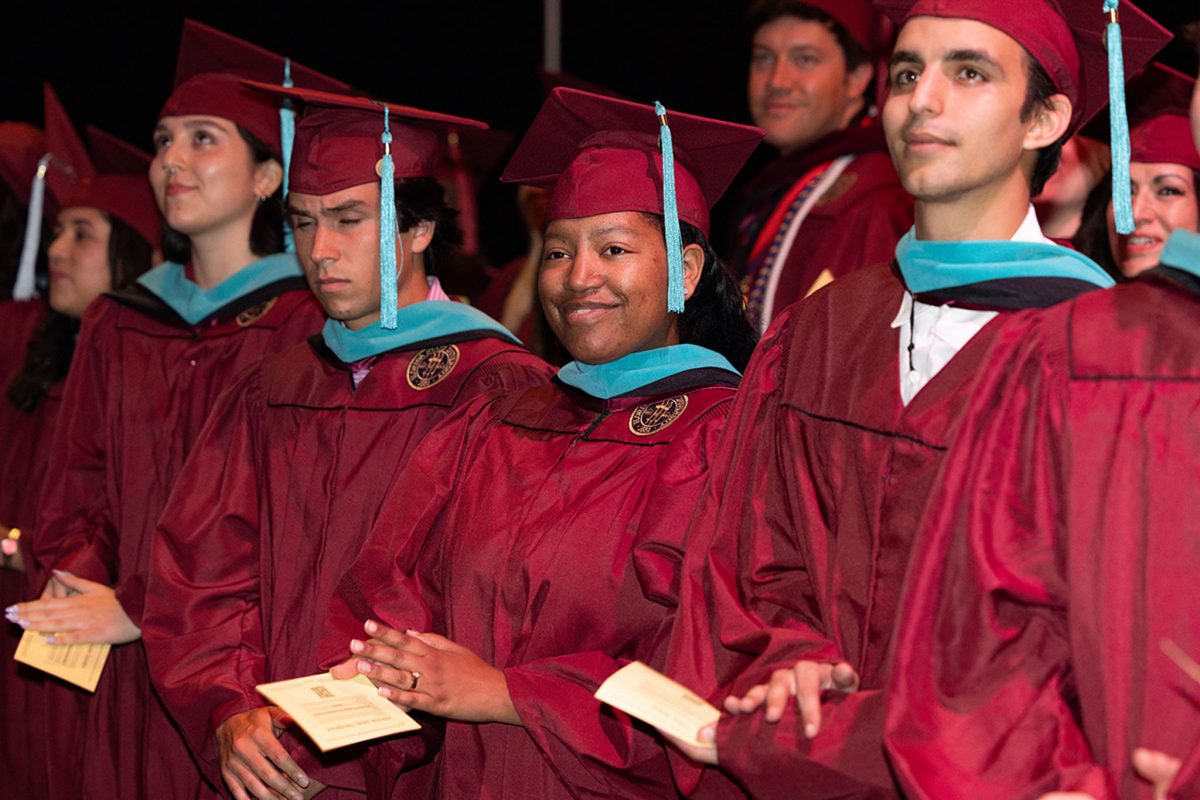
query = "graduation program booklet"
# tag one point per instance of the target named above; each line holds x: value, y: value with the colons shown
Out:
x: 654, y: 698
x: 80, y: 664
x: 335, y: 713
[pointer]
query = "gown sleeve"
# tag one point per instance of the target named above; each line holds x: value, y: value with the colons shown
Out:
x: 76, y: 532
x: 980, y: 686
x: 203, y: 624
x: 382, y: 585
x: 747, y: 597
x: 598, y: 750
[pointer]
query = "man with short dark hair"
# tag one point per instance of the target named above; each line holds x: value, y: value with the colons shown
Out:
x: 791, y: 584
x: 831, y: 203
x: 291, y: 470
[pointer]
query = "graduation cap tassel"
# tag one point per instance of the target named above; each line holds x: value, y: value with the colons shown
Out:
x: 675, y: 297
x: 25, y: 287
x: 287, y: 134
x: 389, y: 276
x: 1118, y: 123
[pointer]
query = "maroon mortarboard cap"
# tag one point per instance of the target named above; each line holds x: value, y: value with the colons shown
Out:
x: 21, y: 145
x: 1065, y: 37
x: 1159, y: 104
x: 338, y: 142
x: 208, y: 77
x: 599, y: 154
x: 58, y: 171
x: 114, y: 156
x: 862, y: 22
x: 120, y: 186
x: 69, y: 163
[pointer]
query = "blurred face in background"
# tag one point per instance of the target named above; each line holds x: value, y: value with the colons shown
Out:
x: 1164, y: 198
x: 799, y: 87
x: 78, y: 259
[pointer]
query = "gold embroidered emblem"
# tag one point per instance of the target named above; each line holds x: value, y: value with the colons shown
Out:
x: 251, y: 314
x: 431, y: 366
x: 653, y: 417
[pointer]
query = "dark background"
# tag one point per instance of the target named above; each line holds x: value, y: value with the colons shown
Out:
x: 112, y: 64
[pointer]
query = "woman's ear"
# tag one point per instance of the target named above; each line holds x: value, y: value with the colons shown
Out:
x: 693, y: 267
x: 268, y: 177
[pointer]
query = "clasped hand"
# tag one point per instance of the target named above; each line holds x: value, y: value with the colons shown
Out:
x: 76, y: 611
x: 427, y: 672
x: 804, y: 680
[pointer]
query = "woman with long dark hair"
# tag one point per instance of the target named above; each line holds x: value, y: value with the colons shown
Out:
x: 506, y: 548
x: 150, y: 362
x: 101, y: 242
x: 1164, y: 173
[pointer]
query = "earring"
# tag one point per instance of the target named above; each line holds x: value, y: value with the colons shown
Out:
x: 262, y: 198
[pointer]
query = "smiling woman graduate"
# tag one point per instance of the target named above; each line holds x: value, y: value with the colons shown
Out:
x: 1165, y: 178
x: 506, y: 544
x: 150, y: 361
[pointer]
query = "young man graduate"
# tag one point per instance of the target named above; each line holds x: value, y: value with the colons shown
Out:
x: 852, y: 399
x: 1042, y: 644
x: 831, y: 202
x: 290, y: 472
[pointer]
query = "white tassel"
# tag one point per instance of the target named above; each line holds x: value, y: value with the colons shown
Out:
x: 25, y: 288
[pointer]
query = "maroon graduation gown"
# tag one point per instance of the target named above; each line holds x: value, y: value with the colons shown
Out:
x: 273, y: 506
x: 141, y: 385
x: 24, y: 454
x: 1061, y: 547
x: 511, y: 532
x: 800, y: 543
x: 855, y: 223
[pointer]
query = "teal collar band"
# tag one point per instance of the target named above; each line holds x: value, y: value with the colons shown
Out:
x: 631, y: 372
x: 929, y: 266
x: 419, y: 322
x: 169, y: 283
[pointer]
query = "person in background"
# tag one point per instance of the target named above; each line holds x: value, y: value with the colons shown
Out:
x: 1164, y: 175
x: 831, y: 203
x: 150, y: 361
x: 1081, y: 168
x: 103, y: 238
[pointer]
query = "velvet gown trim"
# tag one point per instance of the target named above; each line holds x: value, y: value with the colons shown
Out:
x: 995, y: 274
x: 170, y: 284
x: 632, y: 372
x: 420, y: 322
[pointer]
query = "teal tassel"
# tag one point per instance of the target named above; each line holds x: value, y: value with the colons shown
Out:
x: 675, y: 298
x: 1118, y: 125
x: 388, y: 275
x: 287, y: 134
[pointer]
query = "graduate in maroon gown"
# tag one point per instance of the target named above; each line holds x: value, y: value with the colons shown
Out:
x: 831, y: 203
x: 1058, y: 556
x: 309, y: 441
x: 801, y: 542
x: 103, y: 238
x: 150, y: 362
x: 505, y: 547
